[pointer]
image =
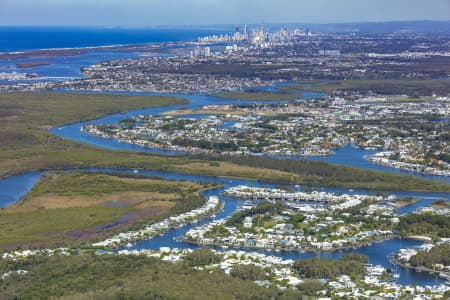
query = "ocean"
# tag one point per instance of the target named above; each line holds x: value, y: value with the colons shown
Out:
x: 15, y: 39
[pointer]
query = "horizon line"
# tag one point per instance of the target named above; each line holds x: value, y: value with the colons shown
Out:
x: 223, y: 24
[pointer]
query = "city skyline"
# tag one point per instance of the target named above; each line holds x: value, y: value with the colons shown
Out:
x: 138, y: 13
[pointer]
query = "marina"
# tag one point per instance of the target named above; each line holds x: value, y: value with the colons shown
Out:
x: 166, y: 239
x: 348, y: 155
x: 378, y: 253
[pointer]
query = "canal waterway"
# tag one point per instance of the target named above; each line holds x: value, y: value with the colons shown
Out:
x: 378, y: 253
x: 347, y: 155
x: 13, y: 188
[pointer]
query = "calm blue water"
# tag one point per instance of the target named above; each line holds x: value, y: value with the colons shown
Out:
x: 356, y: 157
x: 32, y: 38
x: 378, y: 253
x: 14, y: 39
x: 64, y: 66
x: 72, y: 131
x: 14, y: 187
x: 347, y: 155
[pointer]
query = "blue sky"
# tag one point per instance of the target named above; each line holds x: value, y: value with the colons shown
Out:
x: 141, y: 13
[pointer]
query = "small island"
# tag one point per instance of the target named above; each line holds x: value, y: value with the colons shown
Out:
x: 32, y: 64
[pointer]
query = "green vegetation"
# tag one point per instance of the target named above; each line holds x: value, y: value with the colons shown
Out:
x: 75, y: 208
x: 25, y: 119
x: 124, y: 277
x: 310, y: 287
x: 79, y: 183
x: 319, y: 268
x: 405, y: 201
x: 262, y: 208
x: 412, y: 88
x: 442, y: 203
x: 437, y: 226
x: 296, y: 219
x: 355, y: 257
x: 248, y: 272
x: 319, y: 174
x: 27, y: 145
x: 258, y: 95
x: 127, y: 123
x: 437, y: 255
x: 202, y: 257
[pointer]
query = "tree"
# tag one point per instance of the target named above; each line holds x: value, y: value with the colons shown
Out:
x: 202, y: 257
x: 248, y: 272
x: 319, y: 268
x: 355, y: 257
x: 437, y: 255
x: 297, y: 218
x: 310, y: 287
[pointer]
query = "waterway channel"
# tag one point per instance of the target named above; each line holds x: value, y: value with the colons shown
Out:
x: 14, y: 187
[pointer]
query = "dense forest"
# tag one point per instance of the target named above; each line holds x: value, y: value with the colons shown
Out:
x: 320, y: 173
x: 262, y: 208
x: 317, y: 268
x: 429, y: 224
x: 125, y: 277
x: 437, y: 255
x: 248, y: 272
x: 89, y: 276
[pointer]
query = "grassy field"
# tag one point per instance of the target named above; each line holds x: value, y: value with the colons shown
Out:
x: 258, y: 95
x: 412, y: 88
x: 27, y: 145
x: 70, y: 208
x: 26, y: 118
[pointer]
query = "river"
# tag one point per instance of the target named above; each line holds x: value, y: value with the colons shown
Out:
x: 13, y: 188
x: 378, y: 253
x: 347, y: 155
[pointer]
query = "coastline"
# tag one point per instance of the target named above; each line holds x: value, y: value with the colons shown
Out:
x: 61, y: 52
x: 395, y: 261
x: 376, y: 159
x: 290, y: 249
x: 421, y: 238
x: 168, y: 235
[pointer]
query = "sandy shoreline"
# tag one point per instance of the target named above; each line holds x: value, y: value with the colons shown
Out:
x: 421, y: 238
